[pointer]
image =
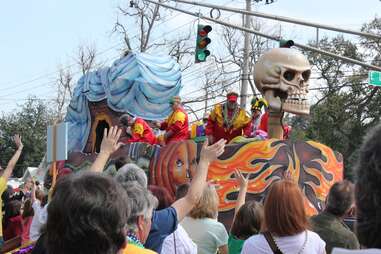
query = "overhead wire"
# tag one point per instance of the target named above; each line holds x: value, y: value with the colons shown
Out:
x: 112, y: 47
x: 75, y: 73
x: 108, y: 49
x: 52, y: 82
x: 47, y: 75
x: 105, y: 50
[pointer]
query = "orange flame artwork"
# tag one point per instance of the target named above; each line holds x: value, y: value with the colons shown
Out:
x: 313, y: 165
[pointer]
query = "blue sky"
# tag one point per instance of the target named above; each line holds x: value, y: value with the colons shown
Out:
x: 36, y: 36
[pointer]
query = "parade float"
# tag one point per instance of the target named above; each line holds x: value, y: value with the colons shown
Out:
x: 141, y: 85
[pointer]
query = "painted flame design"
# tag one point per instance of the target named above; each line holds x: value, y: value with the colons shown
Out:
x: 314, y: 166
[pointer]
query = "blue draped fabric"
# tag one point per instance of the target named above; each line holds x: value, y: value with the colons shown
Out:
x: 138, y: 84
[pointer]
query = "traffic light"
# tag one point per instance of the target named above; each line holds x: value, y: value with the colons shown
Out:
x: 202, y: 42
x: 286, y: 43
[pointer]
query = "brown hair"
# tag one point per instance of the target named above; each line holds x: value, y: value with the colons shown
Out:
x: 42, y: 197
x: 341, y: 197
x: 28, y: 209
x: 248, y: 220
x: 284, y: 209
x: 207, y: 206
x: 162, y: 194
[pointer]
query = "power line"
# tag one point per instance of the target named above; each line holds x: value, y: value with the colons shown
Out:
x: 275, y: 38
x: 212, y: 84
x: 108, y: 49
x: 236, y: 79
x: 98, y: 54
x: 365, y: 75
x: 114, y: 46
x: 280, y: 18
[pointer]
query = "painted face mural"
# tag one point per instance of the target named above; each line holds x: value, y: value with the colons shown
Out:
x: 175, y: 165
x: 314, y: 166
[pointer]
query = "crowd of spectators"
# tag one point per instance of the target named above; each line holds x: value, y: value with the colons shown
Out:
x: 91, y: 212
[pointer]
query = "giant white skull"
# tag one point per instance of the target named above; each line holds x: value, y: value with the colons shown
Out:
x: 282, y: 76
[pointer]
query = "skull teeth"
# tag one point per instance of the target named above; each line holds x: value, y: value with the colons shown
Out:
x: 297, y: 101
x: 299, y: 107
x: 297, y: 97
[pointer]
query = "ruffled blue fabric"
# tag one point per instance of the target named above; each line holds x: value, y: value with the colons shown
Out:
x: 138, y: 84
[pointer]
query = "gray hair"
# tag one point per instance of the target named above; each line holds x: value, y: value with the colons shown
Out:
x: 142, y: 202
x: 131, y: 172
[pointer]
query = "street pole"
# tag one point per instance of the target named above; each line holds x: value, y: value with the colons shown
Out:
x: 206, y: 95
x: 246, y: 56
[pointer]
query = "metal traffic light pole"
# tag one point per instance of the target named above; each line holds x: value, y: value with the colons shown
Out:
x: 275, y: 38
x: 281, y: 18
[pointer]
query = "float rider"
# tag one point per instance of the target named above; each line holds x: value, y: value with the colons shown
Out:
x: 176, y: 126
x: 227, y: 120
x: 257, y: 104
x: 140, y: 130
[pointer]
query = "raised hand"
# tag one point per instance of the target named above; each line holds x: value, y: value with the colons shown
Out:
x: 110, y: 140
x: 243, y: 183
x: 241, y: 179
x: 211, y: 153
x: 18, y: 142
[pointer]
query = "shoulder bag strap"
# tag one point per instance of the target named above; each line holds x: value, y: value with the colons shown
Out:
x: 174, y: 241
x: 271, y: 242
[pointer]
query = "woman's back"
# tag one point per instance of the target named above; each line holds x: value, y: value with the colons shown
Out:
x: 305, y: 242
x: 25, y: 229
x: 208, y: 234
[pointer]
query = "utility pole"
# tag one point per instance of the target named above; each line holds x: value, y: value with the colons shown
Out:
x: 246, y: 56
x: 206, y: 95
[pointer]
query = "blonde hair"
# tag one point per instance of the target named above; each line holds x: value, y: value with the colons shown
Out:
x: 207, y: 206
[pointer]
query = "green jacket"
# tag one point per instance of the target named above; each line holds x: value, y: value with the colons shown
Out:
x: 334, y: 232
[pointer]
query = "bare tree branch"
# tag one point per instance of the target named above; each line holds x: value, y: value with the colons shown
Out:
x: 65, y: 81
x: 64, y: 85
x: 120, y: 29
x: 86, y: 58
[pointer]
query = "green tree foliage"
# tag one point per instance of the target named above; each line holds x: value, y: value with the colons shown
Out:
x: 30, y: 122
x: 345, y: 107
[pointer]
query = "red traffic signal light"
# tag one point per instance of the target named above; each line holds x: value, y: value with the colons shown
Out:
x: 204, y: 31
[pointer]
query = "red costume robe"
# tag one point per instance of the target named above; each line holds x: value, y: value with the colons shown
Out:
x: 216, y: 127
x: 142, y: 132
x: 178, y: 124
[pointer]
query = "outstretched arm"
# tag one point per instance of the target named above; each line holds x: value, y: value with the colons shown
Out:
x: 109, y: 145
x: 33, y: 194
x: 208, y: 154
x: 12, y: 163
x: 243, y: 183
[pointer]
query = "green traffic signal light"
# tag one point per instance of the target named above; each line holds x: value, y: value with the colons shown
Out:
x: 202, y: 43
x: 201, y: 56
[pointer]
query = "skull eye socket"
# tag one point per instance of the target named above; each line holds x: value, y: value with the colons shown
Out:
x: 289, y: 75
x: 306, y: 75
